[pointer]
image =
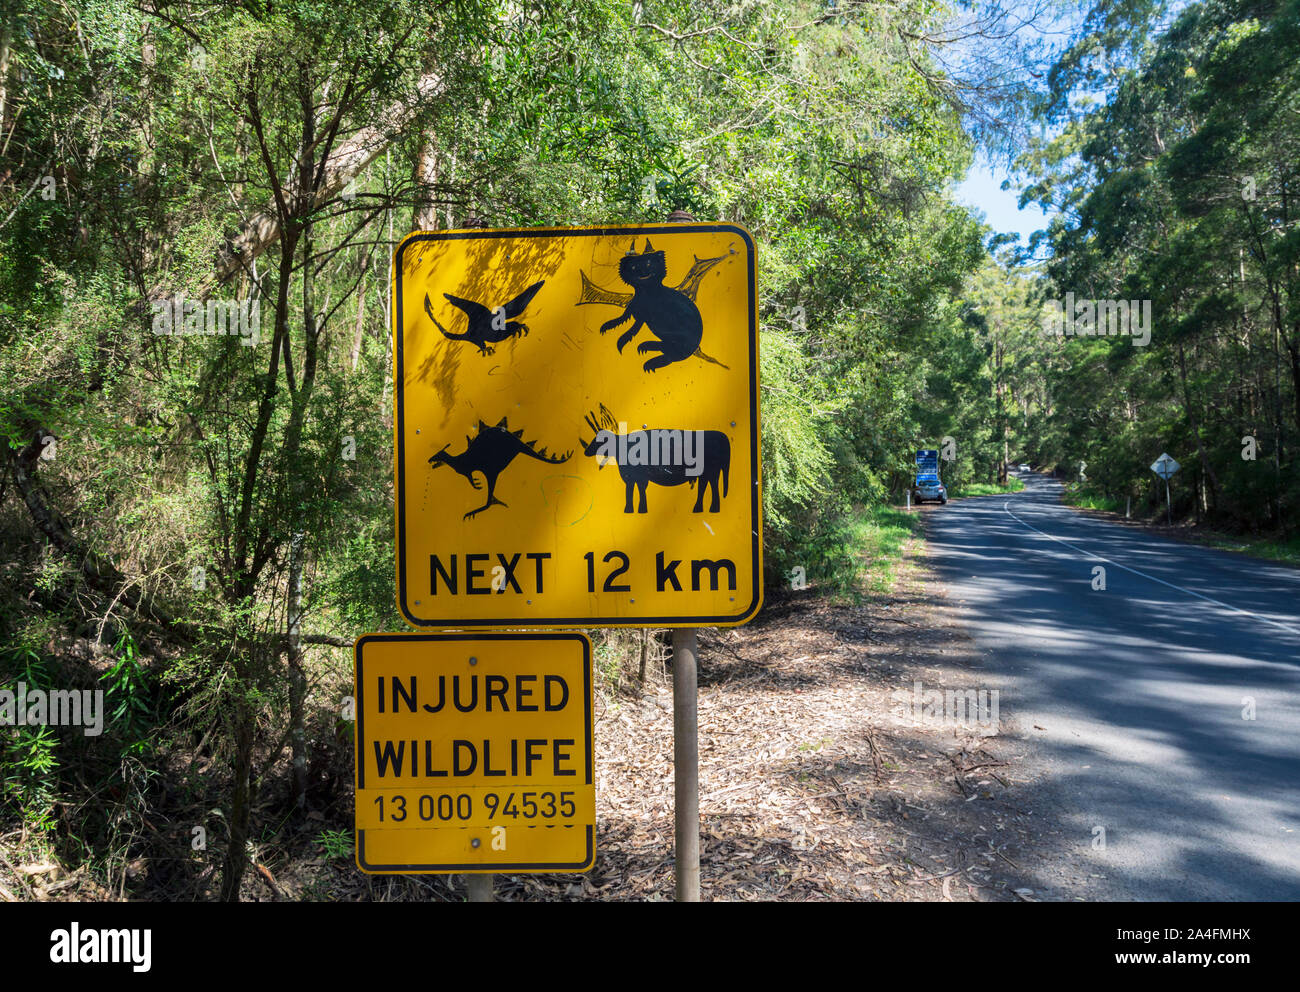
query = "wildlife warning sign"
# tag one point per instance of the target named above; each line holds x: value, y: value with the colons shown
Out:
x: 474, y: 753
x: 576, y: 427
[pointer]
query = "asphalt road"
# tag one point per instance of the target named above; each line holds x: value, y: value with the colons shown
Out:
x: 1138, y: 697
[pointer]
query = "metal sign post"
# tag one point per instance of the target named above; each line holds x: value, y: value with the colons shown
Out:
x: 1164, y: 467
x: 686, y: 766
x: 686, y: 745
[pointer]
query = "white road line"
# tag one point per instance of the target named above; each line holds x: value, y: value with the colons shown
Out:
x: 1232, y: 609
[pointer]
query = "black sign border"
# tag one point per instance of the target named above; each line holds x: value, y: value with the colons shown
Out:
x: 399, y: 447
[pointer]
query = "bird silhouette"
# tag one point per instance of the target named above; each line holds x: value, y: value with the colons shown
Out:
x: 487, y: 326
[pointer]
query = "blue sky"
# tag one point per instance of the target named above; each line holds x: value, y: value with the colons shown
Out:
x: 981, y: 191
x: 1050, y: 25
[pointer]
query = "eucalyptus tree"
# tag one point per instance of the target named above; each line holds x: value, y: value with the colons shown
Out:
x: 1180, y: 190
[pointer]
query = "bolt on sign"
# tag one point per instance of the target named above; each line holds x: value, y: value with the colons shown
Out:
x: 474, y: 753
x: 576, y: 427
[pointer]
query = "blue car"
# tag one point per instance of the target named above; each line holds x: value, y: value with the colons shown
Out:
x: 929, y: 487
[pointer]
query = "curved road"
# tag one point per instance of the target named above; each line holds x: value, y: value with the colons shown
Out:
x: 1164, y: 709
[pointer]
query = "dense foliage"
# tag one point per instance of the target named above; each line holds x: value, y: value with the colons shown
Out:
x: 1180, y: 188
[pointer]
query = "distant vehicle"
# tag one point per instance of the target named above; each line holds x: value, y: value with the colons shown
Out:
x: 1025, y: 468
x: 929, y: 487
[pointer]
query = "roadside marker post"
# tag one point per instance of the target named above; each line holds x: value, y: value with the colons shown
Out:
x: 686, y: 745
x: 686, y: 766
x: 1164, y: 467
x: 480, y: 887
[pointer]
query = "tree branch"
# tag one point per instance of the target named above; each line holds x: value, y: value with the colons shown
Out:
x: 345, y: 164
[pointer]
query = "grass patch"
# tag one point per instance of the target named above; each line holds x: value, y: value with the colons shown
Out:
x: 1013, y: 485
x: 1076, y: 495
x: 879, y: 535
x: 337, y: 844
x: 848, y: 555
x: 1267, y: 548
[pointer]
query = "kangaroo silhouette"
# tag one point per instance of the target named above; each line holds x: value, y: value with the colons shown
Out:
x: 661, y: 459
x: 490, y: 451
x: 670, y: 314
x: 487, y: 324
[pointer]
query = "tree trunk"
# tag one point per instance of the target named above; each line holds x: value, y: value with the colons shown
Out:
x: 240, y: 803
x: 297, y: 677
x: 292, y: 449
x: 1000, y: 390
x: 1206, y: 467
x: 361, y: 313
x: 386, y: 401
x: 425, y: 215
x: 1293, y: 349
x: 346, y: 163
x: 6, y: 37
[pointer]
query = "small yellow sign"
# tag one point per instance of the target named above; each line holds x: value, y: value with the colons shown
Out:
x: 576, y: 434
x: 474, y: 753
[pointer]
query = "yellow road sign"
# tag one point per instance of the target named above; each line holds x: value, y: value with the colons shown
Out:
x: 576, y: 427
x: 474, y: 753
